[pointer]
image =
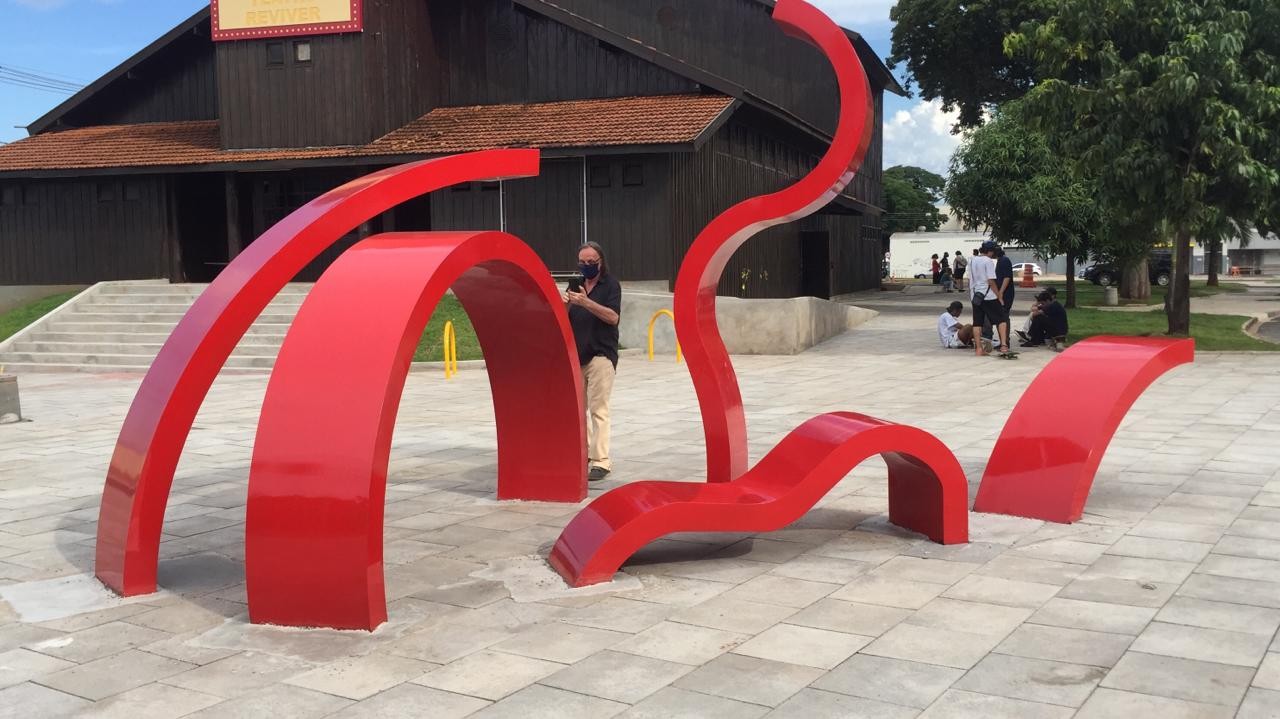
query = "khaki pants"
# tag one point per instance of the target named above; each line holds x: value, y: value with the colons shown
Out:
x: 597, y: 381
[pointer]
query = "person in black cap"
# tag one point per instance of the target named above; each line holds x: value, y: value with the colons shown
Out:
x: 988, y: 303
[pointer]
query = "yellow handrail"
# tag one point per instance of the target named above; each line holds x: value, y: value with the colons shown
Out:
x: 654, y: 320
x: 450, y: 351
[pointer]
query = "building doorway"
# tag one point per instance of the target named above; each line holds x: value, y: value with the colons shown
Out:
x: 815, y: 264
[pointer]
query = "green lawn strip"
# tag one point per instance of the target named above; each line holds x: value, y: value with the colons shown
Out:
x: 14, y: 321
x: 1211, y: 332
x: 1091, y: 295
x: 431, y: 346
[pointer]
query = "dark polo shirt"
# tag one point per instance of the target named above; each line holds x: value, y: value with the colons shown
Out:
x: 594, y: 336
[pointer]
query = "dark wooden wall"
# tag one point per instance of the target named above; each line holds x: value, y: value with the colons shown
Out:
x: 177, y: 83
x: 81, y: 231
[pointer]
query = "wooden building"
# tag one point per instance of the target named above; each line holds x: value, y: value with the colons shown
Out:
x: 653, y: 116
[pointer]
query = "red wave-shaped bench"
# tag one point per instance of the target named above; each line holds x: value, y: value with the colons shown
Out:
x: 927, y: 494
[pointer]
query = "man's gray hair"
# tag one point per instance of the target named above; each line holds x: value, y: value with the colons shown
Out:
x: 604, y: 264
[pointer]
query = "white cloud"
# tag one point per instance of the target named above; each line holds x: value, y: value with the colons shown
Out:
x: 852, y: 13
x: 921, y: 136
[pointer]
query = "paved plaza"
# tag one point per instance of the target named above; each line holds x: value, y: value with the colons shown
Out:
x: 1164, y: 601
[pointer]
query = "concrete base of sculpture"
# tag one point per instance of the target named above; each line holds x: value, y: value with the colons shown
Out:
x: 749, y: 327
x: 10, y: 408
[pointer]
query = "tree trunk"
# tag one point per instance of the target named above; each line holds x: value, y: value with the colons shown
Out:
x: 1179, y: 305
x: 1071, y: 280
x: 1214, y: 261
x: 1135, y: 281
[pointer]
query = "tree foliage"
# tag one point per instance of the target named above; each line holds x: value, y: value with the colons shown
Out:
x: 911, y: 197
x: 953, y: 51
x: 1174, y: 105
x: 1007, y: 176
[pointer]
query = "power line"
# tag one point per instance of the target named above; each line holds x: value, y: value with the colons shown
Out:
x: 10, y: 75
x: 55, y: 75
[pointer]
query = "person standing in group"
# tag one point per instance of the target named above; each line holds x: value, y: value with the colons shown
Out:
x: 595, y: 308
x: 988, y: 307
x: 1004, y: 280
x: 937, y: 270
x: 960, y: 265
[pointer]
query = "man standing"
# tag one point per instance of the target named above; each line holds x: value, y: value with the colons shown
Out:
x: 988, y: 305
x: 960, y: 264
x: 1004, y: 279
x: 595, y: 308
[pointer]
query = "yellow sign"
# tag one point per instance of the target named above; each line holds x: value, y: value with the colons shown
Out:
x: 245, y: 19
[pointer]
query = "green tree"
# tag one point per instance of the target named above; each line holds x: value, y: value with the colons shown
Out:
x: 1173, y: 104
x: 911, y: 196
x: 1007, y: 176
x: 953, y: 51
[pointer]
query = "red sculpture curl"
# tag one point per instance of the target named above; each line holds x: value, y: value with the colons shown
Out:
x: 723, y: 420
x: 1048, y: 454
x: 156, y: 428
x: 927, y: 493
x: 319, y: 475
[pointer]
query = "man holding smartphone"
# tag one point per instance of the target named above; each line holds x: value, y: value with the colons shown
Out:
x: 595, y: 308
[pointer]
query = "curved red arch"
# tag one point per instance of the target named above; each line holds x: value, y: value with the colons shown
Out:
x: 724, y: 421
x: 927, y: 493
x: 1045, y: 461
x: 318, y: 481
x: 160, y: 418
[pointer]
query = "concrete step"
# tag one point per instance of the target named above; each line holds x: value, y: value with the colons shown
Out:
x: 43, y: 367
x: 117, y: 360
x: 79, y: 316
x: 182, y: 290
x: 99, y: 348
x: 141, y: 338
x: 166, y: 328
x: 168, y: 303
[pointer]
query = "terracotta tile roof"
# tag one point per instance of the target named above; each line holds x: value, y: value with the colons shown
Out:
x: 655, y: 120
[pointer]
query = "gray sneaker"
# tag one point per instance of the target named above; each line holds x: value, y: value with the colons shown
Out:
x: 596, y: 474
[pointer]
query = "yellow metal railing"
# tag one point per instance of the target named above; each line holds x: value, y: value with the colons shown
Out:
x: 450, y: 351
x: 653, y: 321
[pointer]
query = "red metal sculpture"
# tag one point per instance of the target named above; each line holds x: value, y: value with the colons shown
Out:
x: 723, y: 420
x: 927, y: 487
x: 1045, y: 460
x: 318, y: 481
x: 927, y: 493
x: 156, y: 428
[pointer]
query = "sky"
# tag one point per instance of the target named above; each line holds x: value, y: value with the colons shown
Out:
x: 80, y: 40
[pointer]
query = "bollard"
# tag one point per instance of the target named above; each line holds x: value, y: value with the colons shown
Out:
x: 1111, y: 296
x: 653, y: 321
x: 450, y: 351
x: 10, y: 408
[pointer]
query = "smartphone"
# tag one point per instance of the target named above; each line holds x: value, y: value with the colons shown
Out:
x: 575, y: 284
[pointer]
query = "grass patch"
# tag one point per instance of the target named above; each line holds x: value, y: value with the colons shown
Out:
x: 431, y: 346
x: 1091, y: 295
x: 14, y: 321
x: 1211, y: 332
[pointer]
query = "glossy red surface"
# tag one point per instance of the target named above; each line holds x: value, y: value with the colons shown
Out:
x: 927, y: 493
x: 1045, y: 460
x: 318, y: 481
x: 156, y: 428
x: 724, y: 422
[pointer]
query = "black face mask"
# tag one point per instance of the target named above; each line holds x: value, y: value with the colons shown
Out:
x: 589, y: 272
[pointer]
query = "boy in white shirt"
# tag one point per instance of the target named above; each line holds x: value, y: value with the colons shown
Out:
x: 988, y: 306
x: 951, y: 333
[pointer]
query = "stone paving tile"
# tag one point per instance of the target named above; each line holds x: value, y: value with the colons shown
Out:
x: 933, y: 645
x: 1009, y: 592
x: 1093, y: 616
x: 410, y: 701
x: 889, y: 592
x: 152, y: 701
x: 117, y: 673
x: 957, y: 704
x: 618, y: 676
x: 98, y: 642
x: 734, y: 615
x: 682, y: 643
x: 673, y: 703
x: 972, y: 617
x: 867, y: 620
x: 1075, y: 646
x: 541, y: 702
x: 816, y: 704
x: 279, y: 701
x: 489, y: 675
x: 559, y: 642
x: 1112, y: 704
x: 239, y: 674
x: 1119, y: 590
x: 805, y: 646
x: 749, y: 679
x: 785, y: 591
x: 359, y: 678
x: 1220, y: 615
x: 1195, y: 681
x: 1210, y: 645
x: 20, y: 665
x: 1036, y: 680
x: 895, y: 681
x: 24, y: 701
x: 1260, y: 704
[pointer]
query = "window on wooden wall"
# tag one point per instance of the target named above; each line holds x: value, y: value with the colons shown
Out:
x: 106, y: 192
x: 275, y: 53
x: 632, y: 175
x: 600, y: 176
x: 302, y: 51
x: 30, y: 195
x: 132, y: 191
x: 10, y: 195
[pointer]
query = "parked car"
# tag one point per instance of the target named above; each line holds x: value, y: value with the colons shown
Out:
x: 1159, y: 268
x: 1021, y: 268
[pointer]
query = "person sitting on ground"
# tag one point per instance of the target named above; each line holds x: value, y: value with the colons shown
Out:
x: 951, y: 333
x: 1024, y: 334
x: 1048, y: 321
